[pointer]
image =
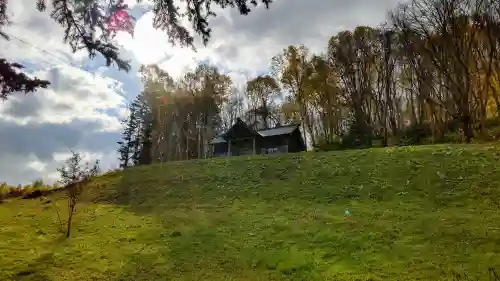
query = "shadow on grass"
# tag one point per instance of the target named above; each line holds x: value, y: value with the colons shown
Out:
x: 199, y: 236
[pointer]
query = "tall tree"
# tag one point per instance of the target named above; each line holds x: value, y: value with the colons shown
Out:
x: 292, y: 68
x: 325, y: 100
x: 353, y: 57
x: 262, y: 91
x: 451, y: 44
x: 124, y: 148
x: 232, y: 108
x: 182, y: 115
x: 145, y: 130
x: 159, y: 87
x: 136, y: 139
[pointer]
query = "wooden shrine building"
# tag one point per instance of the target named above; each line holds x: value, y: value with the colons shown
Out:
x: 240, y: 139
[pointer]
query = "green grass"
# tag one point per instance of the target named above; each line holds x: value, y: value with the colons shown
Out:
x: 417, y: 213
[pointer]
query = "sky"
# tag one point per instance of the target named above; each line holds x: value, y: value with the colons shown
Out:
x: 82, y: 108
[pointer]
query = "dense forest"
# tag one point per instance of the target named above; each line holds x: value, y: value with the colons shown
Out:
x: 428, y: 74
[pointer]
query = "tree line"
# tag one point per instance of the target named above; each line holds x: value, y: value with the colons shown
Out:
x: 429, y: 73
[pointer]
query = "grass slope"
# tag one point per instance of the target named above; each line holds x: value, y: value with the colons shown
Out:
x: 417, y: 213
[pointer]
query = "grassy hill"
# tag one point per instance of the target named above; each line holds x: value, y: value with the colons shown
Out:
x: 416, y: 213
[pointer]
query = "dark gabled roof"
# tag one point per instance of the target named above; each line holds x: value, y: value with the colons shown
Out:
x: 239, y: 129
x: 276, y: 131
x: 218, y: 139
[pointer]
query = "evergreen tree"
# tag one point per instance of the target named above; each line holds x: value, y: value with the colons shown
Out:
x: 127, y: 143
x: 136, y: 133
x: 139, y: 132
x: 124, y: 148
x: 146, y: 145
x: 146, y: 129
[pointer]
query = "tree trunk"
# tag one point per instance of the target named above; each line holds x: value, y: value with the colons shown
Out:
x: 387, y: 88
x: 467, y: 127
x: 70, y: 218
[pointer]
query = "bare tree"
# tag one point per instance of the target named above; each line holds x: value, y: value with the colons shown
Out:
x: 74, y: 177
x: 262, y: 91
x: 451, y: 44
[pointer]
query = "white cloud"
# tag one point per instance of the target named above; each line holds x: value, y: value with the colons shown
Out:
x: 79, y: 110
x: 37, y: 165
x: 249, y: 42
x: 151, y: 46
x: 73, y: 95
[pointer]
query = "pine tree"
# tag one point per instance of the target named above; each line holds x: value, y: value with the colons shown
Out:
x: 146, y: 129
x: 135, y: 141
x: 128, y: 137
x: 146, y: 145
x: 141, y: 132
x: 124, y: 148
